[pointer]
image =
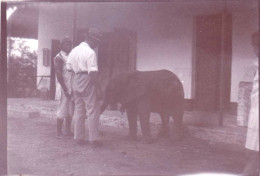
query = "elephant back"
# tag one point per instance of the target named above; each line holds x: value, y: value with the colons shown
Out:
x: 166, y: 89
x: 164, y: 82
x: 162, y: 87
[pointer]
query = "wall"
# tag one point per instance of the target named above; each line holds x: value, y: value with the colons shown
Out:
x: 159, y: 45
x: 52, y: 25
x: 172, y: 53
x: 164, y: 32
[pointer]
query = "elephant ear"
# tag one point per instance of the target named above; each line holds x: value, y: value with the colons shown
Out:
x: 135, y: 88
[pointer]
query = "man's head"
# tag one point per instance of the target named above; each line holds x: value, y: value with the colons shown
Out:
x: 255, y: 42
x: 93, y: 37
x: 66, y: 44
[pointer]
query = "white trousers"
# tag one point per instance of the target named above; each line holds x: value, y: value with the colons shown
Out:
x: 86, y: 105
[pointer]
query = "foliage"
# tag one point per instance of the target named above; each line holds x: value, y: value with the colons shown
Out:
x: 22, y: 68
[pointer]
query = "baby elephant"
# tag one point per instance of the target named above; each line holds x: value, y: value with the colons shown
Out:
x: 143, y: 92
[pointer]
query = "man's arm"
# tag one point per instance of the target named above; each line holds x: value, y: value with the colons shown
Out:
x: 70, y: 60
x: 58, y: 63
x: 92, y: 66
x: 93, y: 73
x: 94, y: 77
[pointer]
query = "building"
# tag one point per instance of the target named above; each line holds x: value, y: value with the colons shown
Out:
x: 207, y: 43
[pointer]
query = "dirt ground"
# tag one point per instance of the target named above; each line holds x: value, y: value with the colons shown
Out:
x: 33, y: 150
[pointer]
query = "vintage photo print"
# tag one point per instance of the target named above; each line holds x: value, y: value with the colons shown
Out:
x: 129, y: 88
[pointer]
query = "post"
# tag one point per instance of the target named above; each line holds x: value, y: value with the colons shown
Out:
x: 3, y: 92
x: 225, y: 63
x: 221, y: 94
x: 74, y: 32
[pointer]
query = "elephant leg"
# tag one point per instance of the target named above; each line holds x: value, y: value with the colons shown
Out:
x: 144, y: 111
x: 132, y: 122
x: 178, y: 126
x: 164, y: 131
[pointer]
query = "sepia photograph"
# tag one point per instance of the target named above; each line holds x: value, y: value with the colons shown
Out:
x: 129, y: 88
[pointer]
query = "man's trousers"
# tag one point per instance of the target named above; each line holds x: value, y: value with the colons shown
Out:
x: 86, y: 105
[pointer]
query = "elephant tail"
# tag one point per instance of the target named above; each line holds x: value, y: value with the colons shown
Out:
x: 122, y: 108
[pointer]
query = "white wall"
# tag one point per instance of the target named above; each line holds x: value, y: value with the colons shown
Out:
x: 159, y: 45
x: 173, y: 53
x: 164, y: 32
x: 52, y: 25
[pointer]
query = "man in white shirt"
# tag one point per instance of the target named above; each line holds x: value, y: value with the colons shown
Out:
x: 83, y: 61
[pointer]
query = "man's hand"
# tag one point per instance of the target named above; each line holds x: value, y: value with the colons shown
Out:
x: 93, y: 75
x: 67, y: 94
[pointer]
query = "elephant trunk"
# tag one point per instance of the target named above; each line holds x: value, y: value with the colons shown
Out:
x: 103, y: 106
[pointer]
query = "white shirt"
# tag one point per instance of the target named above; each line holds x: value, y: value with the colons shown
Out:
x: 82, y: 58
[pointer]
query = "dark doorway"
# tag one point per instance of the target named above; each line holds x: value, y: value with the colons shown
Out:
x: 55, y: 49
x: 213, y: 40
x: 116, y: 54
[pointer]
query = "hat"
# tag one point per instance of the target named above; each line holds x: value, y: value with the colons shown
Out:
x: 94, y: 33
x: 65, y: 39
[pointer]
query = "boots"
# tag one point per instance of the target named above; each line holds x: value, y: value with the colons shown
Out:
x: 59, y: 128
x: 68, y: 131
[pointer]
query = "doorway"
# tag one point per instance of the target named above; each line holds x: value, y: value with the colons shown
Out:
x: 116, y: 54
x: 212, y: 64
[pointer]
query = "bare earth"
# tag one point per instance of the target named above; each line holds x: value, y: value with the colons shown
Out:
x: 33, y: 150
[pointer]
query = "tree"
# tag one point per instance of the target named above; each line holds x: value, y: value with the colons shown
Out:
x: 22, y: 68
